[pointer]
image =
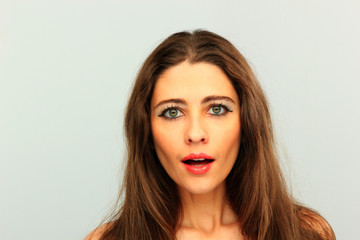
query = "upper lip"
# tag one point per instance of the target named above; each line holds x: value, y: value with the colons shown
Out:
x: 197, y: 156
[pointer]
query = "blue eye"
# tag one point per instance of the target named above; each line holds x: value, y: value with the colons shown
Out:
x: 171, y: 113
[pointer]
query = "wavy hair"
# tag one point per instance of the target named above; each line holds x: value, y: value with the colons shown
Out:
x: 256, y: 189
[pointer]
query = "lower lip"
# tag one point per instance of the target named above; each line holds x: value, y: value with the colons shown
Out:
x: 197, y: 170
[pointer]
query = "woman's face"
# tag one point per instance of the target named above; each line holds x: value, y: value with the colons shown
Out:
x: 195, y: 122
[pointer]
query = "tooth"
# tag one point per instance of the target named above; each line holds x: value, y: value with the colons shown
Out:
x: 199, y: 159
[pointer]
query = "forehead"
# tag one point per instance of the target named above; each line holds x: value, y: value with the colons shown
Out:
x: 192, y: 82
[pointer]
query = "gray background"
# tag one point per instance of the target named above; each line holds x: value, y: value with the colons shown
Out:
x: 66, y: 69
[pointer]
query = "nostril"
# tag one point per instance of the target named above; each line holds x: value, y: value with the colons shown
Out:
x: 196, y: 137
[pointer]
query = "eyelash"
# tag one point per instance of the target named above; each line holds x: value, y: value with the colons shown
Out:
x: 225, y: 108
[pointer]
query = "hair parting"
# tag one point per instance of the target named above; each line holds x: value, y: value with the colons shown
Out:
x: 256, y: 189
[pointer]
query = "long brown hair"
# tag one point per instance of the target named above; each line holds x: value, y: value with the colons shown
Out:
x: 256, y: 189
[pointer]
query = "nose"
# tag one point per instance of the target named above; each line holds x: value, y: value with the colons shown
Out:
x: 196, y: 132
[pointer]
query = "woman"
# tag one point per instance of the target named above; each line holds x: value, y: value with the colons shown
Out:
x: 202, y: 162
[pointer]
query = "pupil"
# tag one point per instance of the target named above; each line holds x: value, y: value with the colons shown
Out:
x: 173, y: 112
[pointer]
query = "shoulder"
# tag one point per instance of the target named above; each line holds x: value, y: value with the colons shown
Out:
x: 98, y: 232
x: 313, y: 221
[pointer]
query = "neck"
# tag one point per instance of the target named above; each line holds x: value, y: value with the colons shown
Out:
x: 207, y: 211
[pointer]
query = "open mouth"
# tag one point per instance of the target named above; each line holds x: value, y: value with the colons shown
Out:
x: 198, y: 162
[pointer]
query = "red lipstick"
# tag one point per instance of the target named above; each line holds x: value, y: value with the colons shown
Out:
x: 198, y: 163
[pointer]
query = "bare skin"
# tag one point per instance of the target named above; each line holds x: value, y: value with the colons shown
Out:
x: 208, y: 216
x: 196, y: 127
x: 195, y: 109
x: 205, y: 118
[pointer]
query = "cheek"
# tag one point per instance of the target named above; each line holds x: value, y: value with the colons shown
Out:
x: 167, y: 144
x: 232, y: 135
x: 165, y: 140
x: 230, y: 139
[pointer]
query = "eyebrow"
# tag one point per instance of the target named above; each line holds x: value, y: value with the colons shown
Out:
x: 205, y: 100
x: 213, y: 97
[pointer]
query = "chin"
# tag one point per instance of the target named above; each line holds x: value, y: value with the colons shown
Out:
x: 200, y: 188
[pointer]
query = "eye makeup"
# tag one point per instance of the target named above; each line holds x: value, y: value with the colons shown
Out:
x: 170, y: 113
x: 215, y: 109
x: 219, y: 109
